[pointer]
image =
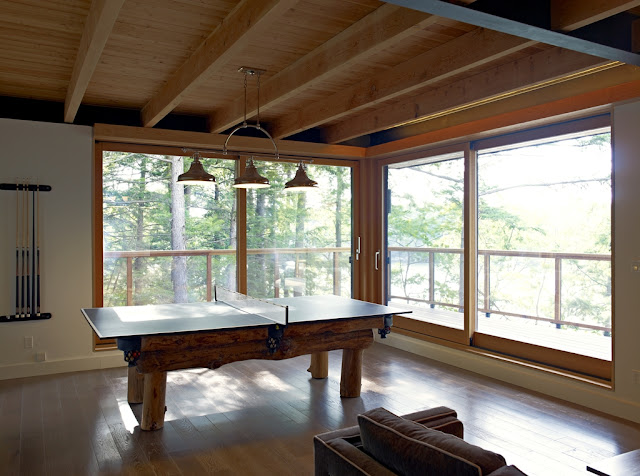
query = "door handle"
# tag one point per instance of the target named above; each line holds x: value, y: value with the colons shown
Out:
x: 358, y: 250
x: 376, y: 260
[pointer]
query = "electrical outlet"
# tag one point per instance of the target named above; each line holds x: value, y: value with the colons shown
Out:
x: 28, y: 342
x: 636, y: 376
x: 41, y: 356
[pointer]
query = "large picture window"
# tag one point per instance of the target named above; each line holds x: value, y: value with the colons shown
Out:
x: 425, y: 238
x: 538, y: 204
x: 165, y: 241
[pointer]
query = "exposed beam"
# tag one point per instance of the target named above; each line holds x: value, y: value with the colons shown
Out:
x: 377, y: 31
x: 491, y: 85
x: 244, y: 24
x: 587, y: 93
x: 102, y: 16
x: 569, y: 15
x: 215, y: 142
x: 471, y: 50
x: 512, y: 27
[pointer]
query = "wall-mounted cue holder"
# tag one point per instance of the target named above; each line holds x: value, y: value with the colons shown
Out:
x: 27, y: 256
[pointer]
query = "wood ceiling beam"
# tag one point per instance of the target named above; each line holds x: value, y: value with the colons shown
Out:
x: 470, y: 50
x: 100, y: 20
x: 512, y: 78
x: 377, y: 31
x: 517, y: 28
x: 215, y: 142
x: 569, y: 15
x: 244, y: 24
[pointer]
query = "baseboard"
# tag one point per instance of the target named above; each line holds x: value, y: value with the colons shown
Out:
x: 600, y: 399
x: 33, y: 369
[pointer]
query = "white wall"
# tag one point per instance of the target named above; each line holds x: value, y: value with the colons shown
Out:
x: 59, y: 155
x: 624, y: 399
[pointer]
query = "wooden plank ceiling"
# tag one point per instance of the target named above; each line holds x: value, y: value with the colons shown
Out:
x: 335, y: 70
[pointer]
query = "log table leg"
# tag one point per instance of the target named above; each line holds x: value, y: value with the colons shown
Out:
x: 135, y: 386
x: 351, y: 377
x: 319, y: 367
x: 155, y: 387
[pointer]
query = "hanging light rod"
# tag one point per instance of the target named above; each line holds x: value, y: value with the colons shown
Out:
x: 248, y: 71
x: 255, y: 155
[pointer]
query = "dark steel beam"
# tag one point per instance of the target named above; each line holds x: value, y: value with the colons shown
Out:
x: 473, y: 16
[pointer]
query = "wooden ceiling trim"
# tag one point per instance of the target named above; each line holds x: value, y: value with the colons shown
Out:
x: 243, y: 24
x: 506, y: 79
x: 214, y: 142
x: 569, y: 15
x: 471, y: 50
x: 583, y: 96
x: 102, y: 16
x: 380, y: 29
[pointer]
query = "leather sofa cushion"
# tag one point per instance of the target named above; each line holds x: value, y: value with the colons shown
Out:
x: 409, y: 448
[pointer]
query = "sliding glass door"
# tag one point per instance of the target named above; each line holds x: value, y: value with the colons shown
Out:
x: 541, y: 276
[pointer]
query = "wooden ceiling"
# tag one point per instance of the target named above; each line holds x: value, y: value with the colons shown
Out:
x: 335, y: 70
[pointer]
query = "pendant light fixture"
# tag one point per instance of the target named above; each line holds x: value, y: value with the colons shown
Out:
x: 301, y: 182
x: 251, y: 178
x: 196, y: 173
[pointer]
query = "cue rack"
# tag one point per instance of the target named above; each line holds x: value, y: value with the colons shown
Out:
x: 27, y: 284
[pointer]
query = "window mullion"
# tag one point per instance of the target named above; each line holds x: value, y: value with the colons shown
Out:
x: 470, y: 234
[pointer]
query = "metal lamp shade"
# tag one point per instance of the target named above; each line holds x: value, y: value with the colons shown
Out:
x: 300, y: 182
x: 251, y: 178
x: 196, y: 174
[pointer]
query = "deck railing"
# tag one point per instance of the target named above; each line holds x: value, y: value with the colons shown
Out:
x: 130, y: 256
x: 485, y: 305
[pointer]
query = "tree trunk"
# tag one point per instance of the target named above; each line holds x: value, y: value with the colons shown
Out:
x: 178, y: 225
x: 139, y: 263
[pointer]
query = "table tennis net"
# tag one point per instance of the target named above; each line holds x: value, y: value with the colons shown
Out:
x: 267, y: 309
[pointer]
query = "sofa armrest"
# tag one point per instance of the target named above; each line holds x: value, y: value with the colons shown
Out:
x: 339, y: 457
x: 440, y: 418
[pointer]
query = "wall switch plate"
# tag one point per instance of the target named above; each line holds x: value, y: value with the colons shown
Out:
x: 28, y: 342
x: 41, y: 356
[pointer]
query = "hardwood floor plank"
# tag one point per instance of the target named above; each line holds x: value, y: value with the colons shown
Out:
x: 259, y: 417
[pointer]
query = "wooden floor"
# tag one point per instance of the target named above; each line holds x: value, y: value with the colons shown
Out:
x: 259, y: 417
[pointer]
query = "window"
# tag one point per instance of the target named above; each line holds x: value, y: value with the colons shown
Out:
x: 544, y: 239
x: 541, y: 277
x: 165, y: 241
x: 299, y: 243
x: 425, y: 243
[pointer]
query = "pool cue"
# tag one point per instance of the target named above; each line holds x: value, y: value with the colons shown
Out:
x: 37, y: 257
x: 23, y: 248
x: 17, y: 253
x: 28, y: 248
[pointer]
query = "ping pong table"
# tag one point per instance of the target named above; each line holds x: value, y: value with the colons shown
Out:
x: 159, y: 338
